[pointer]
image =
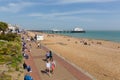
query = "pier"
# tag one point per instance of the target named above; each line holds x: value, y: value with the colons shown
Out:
x: 57, y: 31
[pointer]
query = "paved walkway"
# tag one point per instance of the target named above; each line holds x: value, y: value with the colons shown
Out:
x: 63, y: 71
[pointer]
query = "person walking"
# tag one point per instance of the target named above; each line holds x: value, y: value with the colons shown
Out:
x: 24, y: 65
x: 29, y: 68
x: 53, y: 65
x: 50, y: 55
x: 48, y: 65
x: 47, y: 55
x: 28, y: 77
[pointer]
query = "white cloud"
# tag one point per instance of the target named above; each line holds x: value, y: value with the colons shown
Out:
x: 69, y: 16
x: 64, y: 2
x: 68, y: 13
x: 75, y: 18
x: 84, y: 1
x: 14, y: 7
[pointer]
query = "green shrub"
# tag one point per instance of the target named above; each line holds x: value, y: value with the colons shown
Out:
x: 10, y: 51
x: 10, y: 37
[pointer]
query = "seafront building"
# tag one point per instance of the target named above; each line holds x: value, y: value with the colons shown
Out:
x: 13, y: 28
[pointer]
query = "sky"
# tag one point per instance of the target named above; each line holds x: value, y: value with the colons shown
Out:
x: 62, y: 14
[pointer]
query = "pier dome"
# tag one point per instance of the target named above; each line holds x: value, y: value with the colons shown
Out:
x: 78, y: 29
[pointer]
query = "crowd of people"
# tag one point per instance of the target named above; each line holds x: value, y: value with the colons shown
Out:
x: 50, y: 63
x: 27, y: 67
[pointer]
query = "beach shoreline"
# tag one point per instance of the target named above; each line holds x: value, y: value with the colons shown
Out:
x: 99, y: 58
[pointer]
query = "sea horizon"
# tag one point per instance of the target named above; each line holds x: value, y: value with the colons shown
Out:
x: 97, y: 34
x: 107, y: 35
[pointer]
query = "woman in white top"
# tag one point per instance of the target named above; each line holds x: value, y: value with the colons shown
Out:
x: 48, y: 65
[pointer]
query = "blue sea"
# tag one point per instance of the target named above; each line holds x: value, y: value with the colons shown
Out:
x: 101, y: 35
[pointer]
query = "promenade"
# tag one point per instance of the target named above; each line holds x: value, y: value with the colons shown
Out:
x: 63, y: 71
